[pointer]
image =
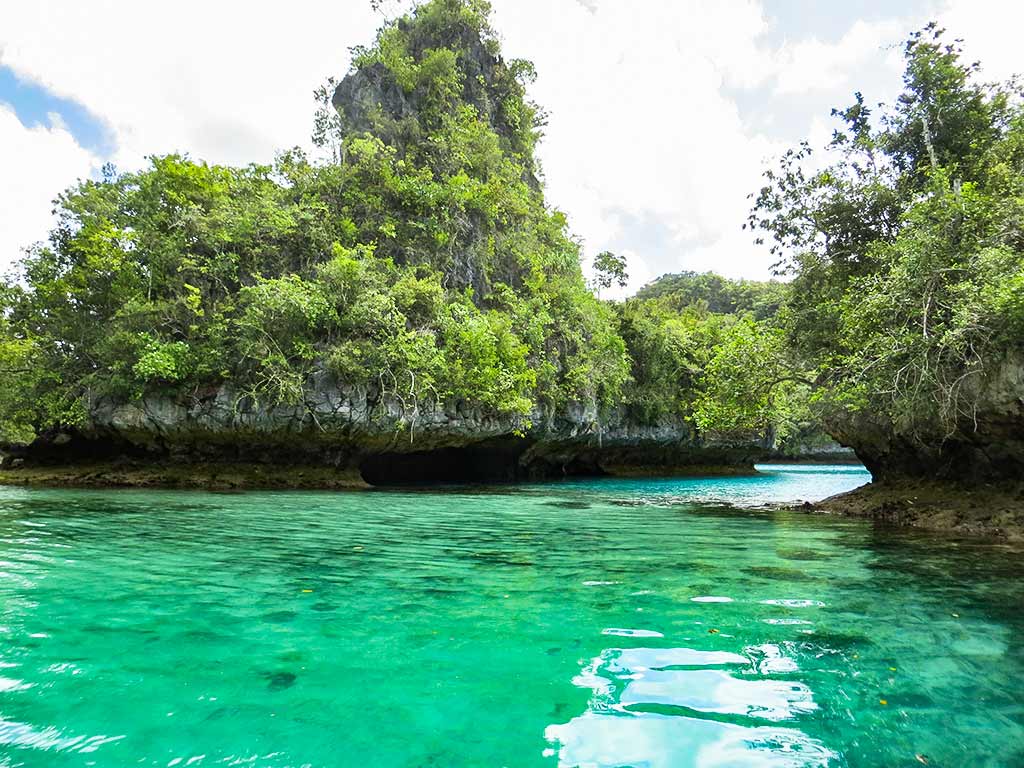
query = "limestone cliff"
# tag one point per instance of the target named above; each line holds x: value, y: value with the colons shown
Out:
x: 355, y: 430
x: 985, y: 446
x: 370, y: 99
x: 431, y: 220
x: 968, y: 479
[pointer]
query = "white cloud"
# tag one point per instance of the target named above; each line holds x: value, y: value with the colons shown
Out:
x: 38, y: 163
x: 813, y: 65
x: 225, y: 81
x: 648, y: 149
x: 640, y: 128
x: 991, y: 33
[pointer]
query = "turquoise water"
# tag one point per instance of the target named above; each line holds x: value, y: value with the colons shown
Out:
x: 599, y: 623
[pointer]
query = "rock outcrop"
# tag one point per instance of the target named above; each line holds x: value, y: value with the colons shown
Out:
x: 356, y: 430
x: 986, y: 446
x: 360, y: 431
x: 967, y: 479
x: 370, y: 100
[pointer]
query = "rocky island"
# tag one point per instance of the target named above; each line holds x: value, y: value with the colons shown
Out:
x: 406, y: 307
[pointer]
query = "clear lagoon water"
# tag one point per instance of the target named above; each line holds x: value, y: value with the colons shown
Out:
x: 600, y: 623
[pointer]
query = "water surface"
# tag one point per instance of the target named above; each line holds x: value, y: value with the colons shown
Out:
x: 601, y: 623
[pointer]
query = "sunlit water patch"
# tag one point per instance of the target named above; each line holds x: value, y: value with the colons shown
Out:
x: 771, y: 484
x: 600, y: 624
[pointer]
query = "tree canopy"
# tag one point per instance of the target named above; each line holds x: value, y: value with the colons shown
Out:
x: 419, y: 261
x: 906, y: 250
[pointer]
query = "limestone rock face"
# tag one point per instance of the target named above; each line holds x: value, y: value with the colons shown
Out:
x: 370, y: 100
x: 987, y: 445
x: 368, y: 89
x: 355, y: 428
x: 360, y: 428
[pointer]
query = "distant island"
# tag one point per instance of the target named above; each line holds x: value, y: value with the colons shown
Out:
x: 407, y: 308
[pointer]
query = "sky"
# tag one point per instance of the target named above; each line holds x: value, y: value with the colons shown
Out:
x: 662, y: 114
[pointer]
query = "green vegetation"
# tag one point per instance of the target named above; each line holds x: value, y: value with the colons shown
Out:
x: 609, y: 270
x: 716, y: 294
x: 906, y: 251
x: 421, y: 264
x: 712, y: 350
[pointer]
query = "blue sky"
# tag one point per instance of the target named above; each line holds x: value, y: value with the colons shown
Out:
x: 662, y: 112
x: 796, y: 19
x: 34, y: 104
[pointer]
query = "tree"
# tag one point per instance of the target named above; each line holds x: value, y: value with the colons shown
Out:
x: 610, y: 269
x: 418, y: 260
x: 907, y: 253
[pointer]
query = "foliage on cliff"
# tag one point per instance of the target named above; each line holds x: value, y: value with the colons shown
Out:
x: 713, y: 351
x: 907, y: 251
x: 422, y: 262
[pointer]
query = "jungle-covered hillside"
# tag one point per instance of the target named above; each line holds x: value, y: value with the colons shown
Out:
x: 419, y: 259
x: 415, y: 255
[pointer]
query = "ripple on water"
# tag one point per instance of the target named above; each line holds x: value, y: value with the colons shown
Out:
x: 776, y: 573
x: 628, y: 659
x: 631, y: 632
x: 663, y: 741
x: 25, y: 736
x: 719, y: 692
x: 436, y: 619
x: 680, y: 706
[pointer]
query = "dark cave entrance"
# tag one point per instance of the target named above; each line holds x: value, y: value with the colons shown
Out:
x: 493, y: 462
